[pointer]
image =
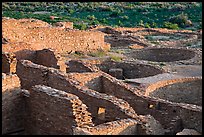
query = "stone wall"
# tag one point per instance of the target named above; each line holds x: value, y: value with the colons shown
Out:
x: 31, y: 74
x: 78, y: 66
x: 130, y: 70
x: 63, y: 25
x: 46, y: 57
x: 118, y: 127
x: 8, y: 63
x: 12, y: 104
x: 161, y: 110
x: 53, y: 112
x: 51, y: 37
x: 185, y: 90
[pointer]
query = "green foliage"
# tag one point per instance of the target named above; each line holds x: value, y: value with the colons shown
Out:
x: 71, y: 11
x: 141, y: 24
x: 98, y: 53
x: 116, y: 58
x: 91, y: 17
x: 126, y: 14
x: 81, y: 26
x: 181, y: 20
x: 154, y: 25
x: 170, y: 25
x: 147, y: 25
x: 120, y: 23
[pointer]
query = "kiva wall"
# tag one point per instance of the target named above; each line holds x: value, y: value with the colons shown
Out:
x: 162, y: 111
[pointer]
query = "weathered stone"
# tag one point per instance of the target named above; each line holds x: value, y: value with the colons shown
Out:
x: 188, y: 132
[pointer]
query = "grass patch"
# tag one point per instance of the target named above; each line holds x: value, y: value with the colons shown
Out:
x: 116, y: 58
x: 99, y: 53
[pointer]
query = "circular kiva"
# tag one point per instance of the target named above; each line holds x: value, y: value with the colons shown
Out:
x: 184, y: 90
x: 163, y: 54
x: 123, y: 70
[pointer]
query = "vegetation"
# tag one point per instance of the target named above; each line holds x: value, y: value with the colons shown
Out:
x: 116, y: 58
x: 99, y: 53
x: 173, y: 15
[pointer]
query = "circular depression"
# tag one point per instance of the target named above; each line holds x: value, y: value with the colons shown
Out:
x: 163, y: 54
x: 123, y: 70
x: 180, y: 91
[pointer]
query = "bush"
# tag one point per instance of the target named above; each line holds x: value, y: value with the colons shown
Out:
x: 80, y: 26
x: 146, y: 25
x: 120, y: 23
x: 154, y: 25
x: 91, y: 17
x: 141, y: 24
x: 125, y: 17
x: 181, y: 20
x: 71, y: 11
x: 115, y: 13
x: 99, y: 53
x: 170, y: 25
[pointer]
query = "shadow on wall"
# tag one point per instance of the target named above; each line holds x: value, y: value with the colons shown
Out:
x: 122, y: 70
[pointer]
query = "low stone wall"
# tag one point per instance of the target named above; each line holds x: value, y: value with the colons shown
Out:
x: 32, y: 74
x: 124, y: 127
x: 46, y: 57
x: 161, y: 110
x: 63, y: 25
x: 8, y: 63
x: 53, y: 112
x: 119, y: 127
x: 79, y: 66
x: 184, y: 90
x: 12, y: 105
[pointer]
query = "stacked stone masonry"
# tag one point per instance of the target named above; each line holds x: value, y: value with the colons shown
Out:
x: 44, y: 94
x: 41, y: 35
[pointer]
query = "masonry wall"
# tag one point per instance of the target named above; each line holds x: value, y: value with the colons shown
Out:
x: 164, y: 112
x: 77, y: 66
x: 118, y: 127
x: 186, y: 91
x: 54, y: 112
x: 26, y: 54
x: 51, y: 37
x: 31, y: 74
x: 92, y: 80
x: 8, y: 63
x: 46, y: 58
x: 63, y: 25
x: 130, y: 70
x: 12, y: 105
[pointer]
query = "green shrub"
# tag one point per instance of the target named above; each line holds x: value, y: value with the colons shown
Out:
x: 116, y: 58
x: 170, y: 25
x: 147, y: 25
x: 120, y: 23
x: 154, y: 25
x: 81, y: 26
x: 141, y: 24
x: 71, y: 11
x: 181, y: 20
x: 99, y: 53
x: 91, y: 17
x: 125, y: 17
x: 115, y: 13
